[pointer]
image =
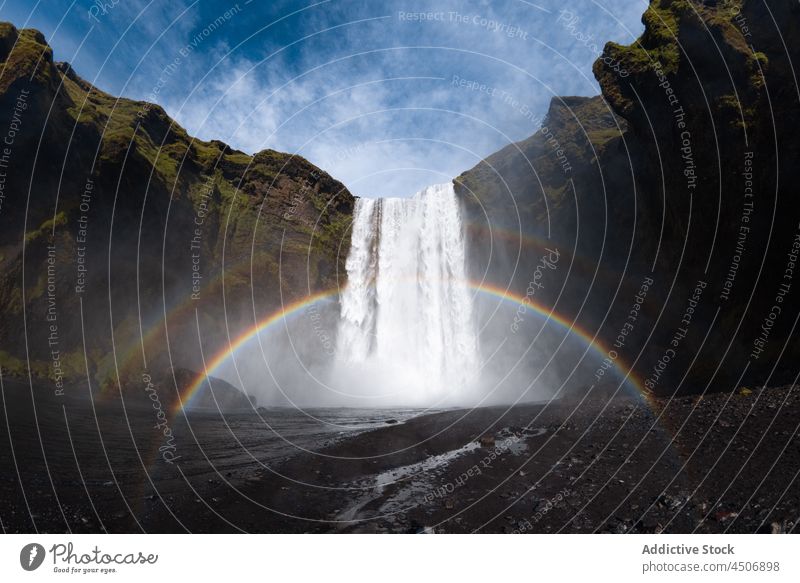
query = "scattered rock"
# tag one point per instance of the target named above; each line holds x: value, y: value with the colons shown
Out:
x: 775, y: 528
x: 724, y: 515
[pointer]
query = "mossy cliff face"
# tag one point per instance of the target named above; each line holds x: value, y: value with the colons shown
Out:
x: 115, y: 223
x: 684, y: 171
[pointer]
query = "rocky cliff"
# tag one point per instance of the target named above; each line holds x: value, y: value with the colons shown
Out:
x: 682, y: 172
x: 671, y: 198
x: 128, y: 245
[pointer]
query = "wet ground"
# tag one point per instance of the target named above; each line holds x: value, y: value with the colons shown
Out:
x: 84, y: 465
x: 721, y: 463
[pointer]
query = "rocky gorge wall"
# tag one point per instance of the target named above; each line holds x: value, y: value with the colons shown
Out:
x: 670, y: 197
x: 119, y: 231
x: 682, y: 179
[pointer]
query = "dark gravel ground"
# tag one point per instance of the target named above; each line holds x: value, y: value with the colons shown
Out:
x: 718, y: 463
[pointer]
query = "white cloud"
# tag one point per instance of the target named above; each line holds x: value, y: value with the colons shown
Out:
x: 369, y: 99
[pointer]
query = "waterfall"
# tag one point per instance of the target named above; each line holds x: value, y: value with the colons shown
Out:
x: 407, y: 308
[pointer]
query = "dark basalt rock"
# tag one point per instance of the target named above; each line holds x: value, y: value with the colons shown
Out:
x: 116, y: 187
x: 700, y: 110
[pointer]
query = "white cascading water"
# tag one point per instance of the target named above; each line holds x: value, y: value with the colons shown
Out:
x: 407, y: 311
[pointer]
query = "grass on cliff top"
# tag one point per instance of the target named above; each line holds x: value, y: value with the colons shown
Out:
x: 30, y: 57
x: 663, y: 20
x: 173, y: 153
x: 158, y: 138
x: 658, y: 42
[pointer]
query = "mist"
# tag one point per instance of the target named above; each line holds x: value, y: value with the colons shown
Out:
x: 411, y: 329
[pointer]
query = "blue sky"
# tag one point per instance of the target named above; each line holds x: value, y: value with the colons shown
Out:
x: 387, y: 96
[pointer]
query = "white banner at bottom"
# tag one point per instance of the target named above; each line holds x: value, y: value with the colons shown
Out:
x: 401, y: 558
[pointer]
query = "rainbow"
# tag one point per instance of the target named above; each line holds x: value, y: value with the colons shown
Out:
x: 591, y: 340
x: 134, y: 356
x: 186, y: 396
